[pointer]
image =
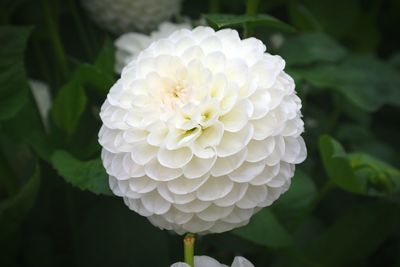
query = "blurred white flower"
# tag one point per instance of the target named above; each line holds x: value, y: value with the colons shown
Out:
x: 119, y: 16
x: 201, y: 131
x: 41, y: 94
x: 129, y: 45
x: 277, y: 40
x: 205, y: 261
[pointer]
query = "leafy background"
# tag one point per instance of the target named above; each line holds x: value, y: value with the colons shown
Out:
x: 343, y: 208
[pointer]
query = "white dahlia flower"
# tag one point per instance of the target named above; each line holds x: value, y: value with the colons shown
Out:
x: 120, y: 16
x: 129, y: 45
x: 205, y: 261
x: 201, y: 131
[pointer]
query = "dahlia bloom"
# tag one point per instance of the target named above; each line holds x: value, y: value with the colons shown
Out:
x: 201, y: 131
x: 129, y: 45
x: 120, y: 16
x: 205, y: 261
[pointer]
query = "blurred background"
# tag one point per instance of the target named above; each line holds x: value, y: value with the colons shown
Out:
x: 57, y: 64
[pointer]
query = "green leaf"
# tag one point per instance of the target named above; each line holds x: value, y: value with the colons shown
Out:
x: 110, y: 234
x: 337, y: 166
x: 265, y: 229
x: 87, y: 75
x: 225, y: 20
x: 14, y: 209
x: 106, y: 59
x: 302, y: 18
x: 68, y: 107
x: 365, y: 81
x: 356, y: 235
x: 358, y: 173
x: 381, y: 178
x: 296, y: 201
x: 37, y: 137
x: 86, y: 175
x: 14, y: 87
x: 310, y: 48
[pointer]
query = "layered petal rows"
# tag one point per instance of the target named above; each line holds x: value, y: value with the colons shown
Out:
x: 119, y: 16
x: 201, y: 131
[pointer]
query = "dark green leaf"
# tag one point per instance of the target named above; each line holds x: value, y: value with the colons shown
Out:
x: 14, y: 209
x: 37, y: 137
x: 302, y: 18
x: 68, y: 107
x: 112, y: 235
x: 106, y: 59
x: 223, y: 20
x: 86, y: 175
x: 381, y: 177
x: 358, y: 173
x: 337, y: 166
x: 13, y: 83
x: 296, y: 201
x: 265, y: 229
x: 310, y: 48
x: 353, y: 237
x: 365, y: 81
x: 87, y: 75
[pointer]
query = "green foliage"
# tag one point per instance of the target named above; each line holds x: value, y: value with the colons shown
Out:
x: 14, y: 209
x: 13, y: 83
x: 265, y: 229
x: 342, y: 208
x: 86, y: 175
x: 224, y: 20
x: 68, y: 107
x: 357, y: 173
x: 314, y: 47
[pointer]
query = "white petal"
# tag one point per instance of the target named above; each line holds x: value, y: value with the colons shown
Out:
x: 241, y: 262
x: 215, y: 188
x: 174, y: 158
x: 205, y: 261
x: 182, y: 185
x: 154, y: 203
x: 143, y: 153
x: 237, y: 117
x: 142, y: 185
x: 247, y: 171
x: 253, y: 196
x: 160, y: 173
x: 228, y: 164
x: 266, y: 175
x: 197, y: 167
x: 214, y: 213
x: 232, y: 143
x: 236, y: 194
x: 259, y: 150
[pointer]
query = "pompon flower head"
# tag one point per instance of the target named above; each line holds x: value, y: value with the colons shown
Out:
x: 129, y: 45
x: 205, y: 261
x: 201, y: 131
x: 119, y: 16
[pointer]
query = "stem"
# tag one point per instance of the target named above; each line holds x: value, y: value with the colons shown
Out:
x: 251, y: 7
x: 188, y: 248
x: 80, y: 28
x: 55, y: 40
x: 251, y: 10
x: 213, y: 6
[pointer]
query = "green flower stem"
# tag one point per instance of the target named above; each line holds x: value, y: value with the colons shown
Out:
x: 213, y: 6
x: 55, y: 40
x: 188, y: 248
x: 251, y: 9
x: 80, y: 28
